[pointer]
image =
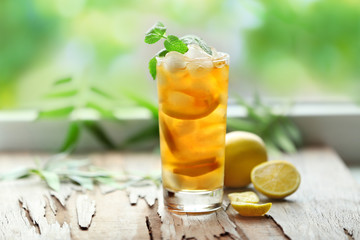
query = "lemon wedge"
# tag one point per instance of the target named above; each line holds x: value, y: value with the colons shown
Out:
x: 246, y: 197
x: 251, y: 209
x: 276, y: 179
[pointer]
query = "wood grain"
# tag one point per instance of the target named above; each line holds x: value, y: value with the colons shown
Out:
x: 22, y: 212
x: 326, y: 206
x: 85, y: 209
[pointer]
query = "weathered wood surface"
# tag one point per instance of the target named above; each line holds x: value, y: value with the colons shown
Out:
x: 326, y: 206
x: 85, y: 209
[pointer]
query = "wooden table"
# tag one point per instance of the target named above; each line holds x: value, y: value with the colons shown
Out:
x: 326, y: 206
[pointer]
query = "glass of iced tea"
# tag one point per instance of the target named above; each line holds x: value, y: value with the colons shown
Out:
x: 193, y: 92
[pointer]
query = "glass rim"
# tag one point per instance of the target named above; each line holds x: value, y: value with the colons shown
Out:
x: 225, y: 56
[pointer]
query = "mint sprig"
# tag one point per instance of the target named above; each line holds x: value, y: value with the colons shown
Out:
x: 171, y: 43
x: 155, y: 33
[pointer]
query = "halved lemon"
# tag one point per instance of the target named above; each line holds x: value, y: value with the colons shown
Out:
x: 251, y: 209
x: 243, y: 151
x: 276, y: 179
x: 246, y: 197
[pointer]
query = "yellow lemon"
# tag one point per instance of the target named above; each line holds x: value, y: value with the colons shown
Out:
x: 276, y: 179
x: 243, y: 151
x: 246, y: 197
x: 251, y: 209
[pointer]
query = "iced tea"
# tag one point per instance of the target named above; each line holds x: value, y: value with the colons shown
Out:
x: 193, y: 96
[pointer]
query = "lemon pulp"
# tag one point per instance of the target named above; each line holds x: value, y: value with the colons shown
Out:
x: 276, y: 179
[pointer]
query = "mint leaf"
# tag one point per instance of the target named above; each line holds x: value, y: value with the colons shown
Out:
x: 153, y: 62
x: 101, y: 92
x: 62, y: 81
x: 155, y: 33
x: 56, y: 113
x: 106, y: 113
x: 52, y: 180
x: 162, y: 53
x: 191, y: 39
x: 143, y: 102
x: 72, y: 137
x: 15, y: 174
x: 173, y: 43
x: 152, y: 67
x: 97, y: 131
x: 85, y: 182
x: 110, y: 182
x: 63, y: 94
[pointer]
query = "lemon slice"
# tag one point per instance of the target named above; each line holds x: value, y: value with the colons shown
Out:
x: 251, y: 209
x: 189, y: 105
x: 275, y: 179
x: 246, y: 197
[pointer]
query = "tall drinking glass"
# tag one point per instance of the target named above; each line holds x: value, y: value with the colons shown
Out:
x: 192, y: 117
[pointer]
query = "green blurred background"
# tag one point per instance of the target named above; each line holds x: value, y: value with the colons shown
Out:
x: 298, y: 49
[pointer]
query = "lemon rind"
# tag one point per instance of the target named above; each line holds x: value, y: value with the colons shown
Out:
x: 272, y: 194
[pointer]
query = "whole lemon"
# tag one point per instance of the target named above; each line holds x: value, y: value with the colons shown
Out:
x: 243, y: 151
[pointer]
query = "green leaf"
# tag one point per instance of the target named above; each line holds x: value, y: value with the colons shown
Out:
x: 62, y: 81
x: 148, y: 133
x: 75, y: 164
x: 155, y: 33
x: 162, y: 53
x: 57, y: 165
x: 282, y: 140
x: 81, y: 173
x: 101, y: 93
x: 292, y: 130
x: 153, y: 62
x: 55, y: 161
x: 191, y: 39
x: 242, y: 125
x: 15, y: 174
x: 104, y: 112
x: 254, y: 113
x: 272, y: 149
x: 110, y: 182
x: 63, y: 94
x: 72, y: 138
x: 85, y: 182
x: 56, y: 113
x: 276, y: 129
x: 140, y: 101
x: 257, y: 100
x: 173, y: 43
x: 52, y: 179
x: 152, y: 67
x: 96, y: 130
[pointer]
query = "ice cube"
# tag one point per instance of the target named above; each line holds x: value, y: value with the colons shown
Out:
x: 215, y: 54
x: 182, y: 128
x: 218, y: 58
x: 174, y: 61
x: 176, y: 98
x: 199, y: 68
x: 219, y: 63
x: 195, y: 52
